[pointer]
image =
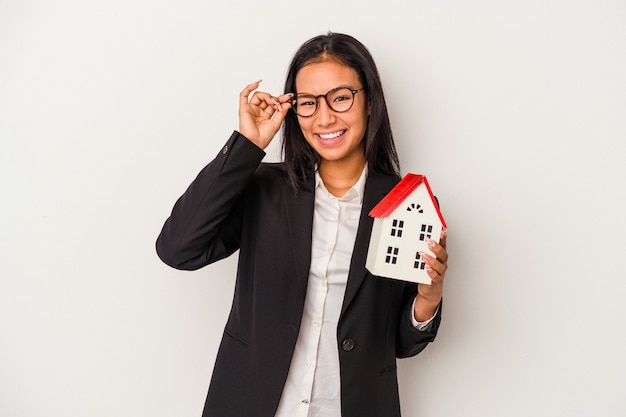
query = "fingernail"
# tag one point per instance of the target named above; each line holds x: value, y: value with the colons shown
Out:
x: 430, y: 242
x: 276, y: 104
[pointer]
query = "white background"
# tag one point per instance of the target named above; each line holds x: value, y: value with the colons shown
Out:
x: 515, y: 110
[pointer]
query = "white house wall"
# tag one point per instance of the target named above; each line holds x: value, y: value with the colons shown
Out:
x: 404, y: 248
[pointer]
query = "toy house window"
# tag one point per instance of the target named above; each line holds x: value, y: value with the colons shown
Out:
x: 419, y: 262
x: 396, y: 228
x: 414, y: 206
x: 427, y: 232
x: 392, y: 255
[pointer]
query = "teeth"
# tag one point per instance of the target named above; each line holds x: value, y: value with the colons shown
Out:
x: 332, y: 135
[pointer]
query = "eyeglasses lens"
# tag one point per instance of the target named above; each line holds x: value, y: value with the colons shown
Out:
x: 339, y: 100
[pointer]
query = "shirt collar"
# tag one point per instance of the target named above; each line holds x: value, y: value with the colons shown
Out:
x: 356, y: 191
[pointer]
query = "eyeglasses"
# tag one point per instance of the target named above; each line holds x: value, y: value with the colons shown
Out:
x: 339, y: 100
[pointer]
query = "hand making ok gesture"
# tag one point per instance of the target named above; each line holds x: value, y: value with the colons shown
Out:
x: 261, y: 115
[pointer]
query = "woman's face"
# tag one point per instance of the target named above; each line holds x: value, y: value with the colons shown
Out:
x: 334, y: 136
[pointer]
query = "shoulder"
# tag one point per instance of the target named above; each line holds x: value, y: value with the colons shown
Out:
x: 378, y: 179
x: 271, y: 171
x: 268, y: 177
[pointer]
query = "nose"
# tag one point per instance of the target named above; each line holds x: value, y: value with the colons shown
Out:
x: 325, y: 115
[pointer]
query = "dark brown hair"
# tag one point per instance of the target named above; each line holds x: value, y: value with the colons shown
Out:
x: 378, y: 145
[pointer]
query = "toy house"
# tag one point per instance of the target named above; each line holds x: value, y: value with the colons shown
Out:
x: 403, y: 220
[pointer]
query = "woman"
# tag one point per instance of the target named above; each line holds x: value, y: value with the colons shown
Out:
x: 311, y: 332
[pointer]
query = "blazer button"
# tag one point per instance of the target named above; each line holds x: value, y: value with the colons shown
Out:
x: 348, y: 345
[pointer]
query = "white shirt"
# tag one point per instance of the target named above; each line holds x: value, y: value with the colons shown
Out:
x: 313, y: 386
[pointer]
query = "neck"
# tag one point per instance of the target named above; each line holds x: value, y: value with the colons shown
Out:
x: 339, y: 177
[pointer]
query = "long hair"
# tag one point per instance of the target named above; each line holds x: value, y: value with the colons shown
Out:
x: 378, y: 145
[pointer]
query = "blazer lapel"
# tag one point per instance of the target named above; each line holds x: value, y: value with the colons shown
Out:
x: 299, y: 208
x: 376, y: 187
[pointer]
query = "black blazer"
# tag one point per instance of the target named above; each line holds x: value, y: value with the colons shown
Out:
x: 239, y: 203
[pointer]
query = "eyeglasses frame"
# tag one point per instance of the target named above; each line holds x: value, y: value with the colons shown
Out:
x: 317, y: 100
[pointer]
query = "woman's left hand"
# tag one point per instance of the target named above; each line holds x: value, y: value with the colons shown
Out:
x: 429, y: 296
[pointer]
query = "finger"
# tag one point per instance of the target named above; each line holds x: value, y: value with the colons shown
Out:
x: 271, y: 105
x: 438, y: 250
x: 245, y: 93
x: 276, y: 104
x: 443, y: 237
x: 261, y: 99
x: 276, y: 101
x: 266, y: 102
x: 284, y: 102
x: 280, y: 115
x: 285, y: 98
x: 435, y: 276
x: 266, y: 114
x: 434, y: 263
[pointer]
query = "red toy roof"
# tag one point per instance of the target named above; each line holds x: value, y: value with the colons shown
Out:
x: 400, y: 192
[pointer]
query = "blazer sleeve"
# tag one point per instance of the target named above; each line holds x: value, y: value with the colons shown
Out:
x: 205, y: 223
x: 411, y: 341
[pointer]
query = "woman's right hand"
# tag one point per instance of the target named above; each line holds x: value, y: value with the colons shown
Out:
x: 260, y: 117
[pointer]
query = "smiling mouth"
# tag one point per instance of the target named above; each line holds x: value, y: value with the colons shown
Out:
x: 331, y: 136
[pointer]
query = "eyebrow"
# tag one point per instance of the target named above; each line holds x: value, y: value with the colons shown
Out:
x: 334, y: 88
